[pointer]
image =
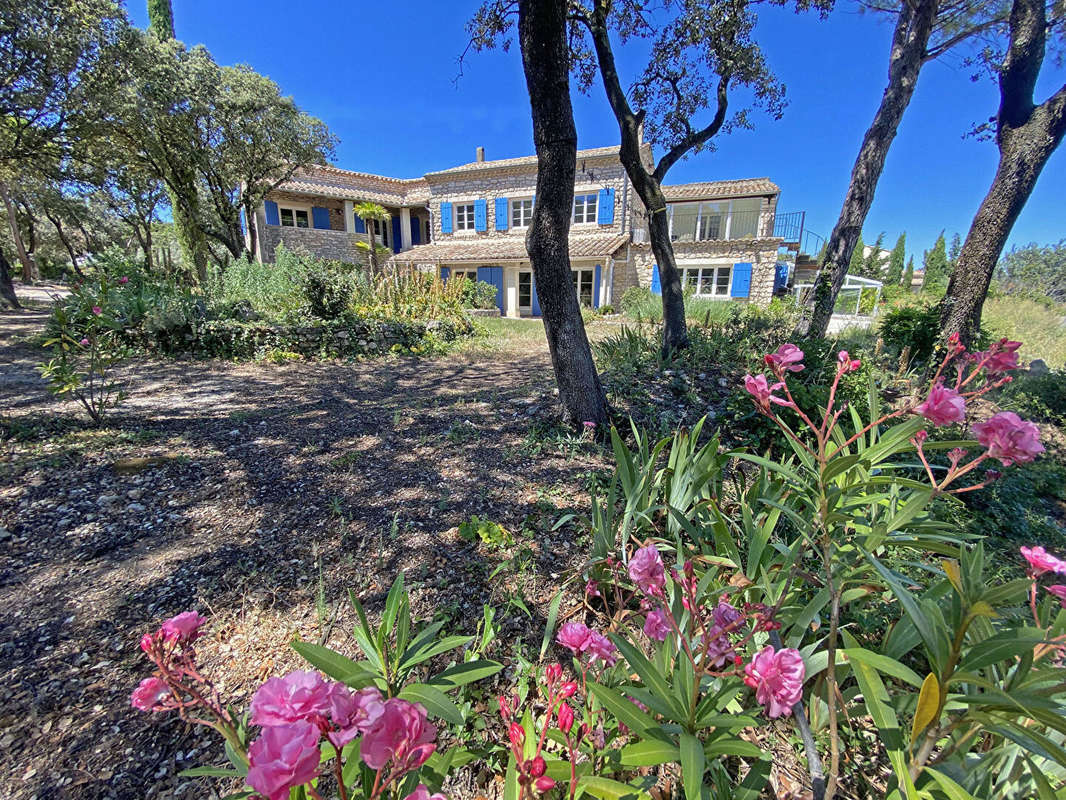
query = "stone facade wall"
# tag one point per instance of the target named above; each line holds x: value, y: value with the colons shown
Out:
x: 760, y: 253
x: 326, y: 244
x: 520, y: 182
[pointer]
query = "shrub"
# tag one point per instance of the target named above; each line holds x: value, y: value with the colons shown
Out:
x: 636, y: 297
x: 1039, y: 396
x: 478, y: 294
x: 328, y: 292
x: 912, y: 328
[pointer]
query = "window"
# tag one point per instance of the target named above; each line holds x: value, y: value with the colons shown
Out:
x: 381, y: 231
x: 707, y: 281
x: 464, y: 216
x: 584, y: 208
x: 469, y: 274
x: 294, y: 217
x: 583, y: 285
x: 521, y: 212
x: 698, y: 221
x: 525, y: 290
x: 429, y: 231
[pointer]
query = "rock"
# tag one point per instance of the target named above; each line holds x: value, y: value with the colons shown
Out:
x: 723, y: 382
x: 135, y: 508
x: 1038, y: 367
x: 135, y: 494
x: 130, y: 466
x: 107, y: 499
x: 5, y: 534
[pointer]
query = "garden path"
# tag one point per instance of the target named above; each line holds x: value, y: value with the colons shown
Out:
x: 275, y: 488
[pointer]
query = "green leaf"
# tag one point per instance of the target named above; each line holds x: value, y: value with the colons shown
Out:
x: 338, y: 667
x: 1001, y: 647
x: 437, y: 703
x: 607, y: 789
x: 209, y: 772
x: 443, y: 646
x: 623, y: 709
x: 510, y: 781
x: 751, y: 788
x: 652, y: 678
x: 392, y: 608
x: 462, y: 674
x: 549, y: 627
x: 649, y: 753
x: 888, y: 666
x: 948, y: 785
x: 910, y: 605
x: 691, y: 766
x: 1043, y: 786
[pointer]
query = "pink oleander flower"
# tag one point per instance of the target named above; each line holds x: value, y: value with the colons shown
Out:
x: 763, y: 391
x: 84, y: 342
x: 150, y: 694
x: 592, y: 589
x: 185, y: 627
x: 602, y: 648
x: 718, y: 647
x: 777, y: 678
x: 725, y: 614
x: 400, y: 734
x: 149, y: 639
x: 1059, y: 590
x: 1001, y: 357
x: 943, y: 406
x: 1009, y: 438
x: 646, y: 569
x: 297, y: 696
x: 1041, y: 561
x: 421, y: 792
x: 282, y: 757
x: 847, y: 363
x: 565, y: 717
x: 97, y: 311
x: 544, y: 784
x: 588, y: 425
x: 574, y: 636
x: 788, y: 358
x: 353, y: 713
x: 123, y: 280
x: 655, y: 625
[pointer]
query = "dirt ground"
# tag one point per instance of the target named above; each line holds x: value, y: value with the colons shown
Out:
x: 277, y: 488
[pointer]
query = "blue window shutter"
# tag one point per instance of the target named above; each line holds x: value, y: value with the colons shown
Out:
x: 501, y: 213
x: 272, y: 213
x: 445, y: 217
x: 605, y: 207
x: 397, y: 240
x: 536, y: 300
x: 416, y: 231
x: 360, y: 225
x: 656, y: 284
x: 596, y: 287
x: 244, y: 227
x: 444, y: 273
x: 481, y: 215
x: 320, y: 218
x: 741, y: 280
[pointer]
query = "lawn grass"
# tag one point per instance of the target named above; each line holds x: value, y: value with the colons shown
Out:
x: 699, y: 310
x: 1041, y: 329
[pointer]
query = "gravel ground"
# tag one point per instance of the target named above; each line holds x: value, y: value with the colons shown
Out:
x: 247, y: 491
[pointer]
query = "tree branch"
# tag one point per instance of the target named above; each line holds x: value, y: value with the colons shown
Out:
x: 698, y: 138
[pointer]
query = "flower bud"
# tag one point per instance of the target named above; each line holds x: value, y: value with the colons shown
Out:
x: 505, y: 709
x: 544, y: 784
x: 552, y: 673
x: 567, y: 690
x: 517, y: 734
x: 537, y: 767
x: 566, y: 718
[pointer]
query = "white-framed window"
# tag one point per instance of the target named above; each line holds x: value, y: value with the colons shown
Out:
x: 585, y: 208
x: 469, y: 274
x: 525, y: 289
x: 521, y: 212
x: 293, y: 217
x: 381, y: 231
x: 582, y: 279
x: 464, y: 216
x: 708, y: 281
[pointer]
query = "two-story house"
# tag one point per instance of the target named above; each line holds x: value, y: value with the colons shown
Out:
x: 471, y: 221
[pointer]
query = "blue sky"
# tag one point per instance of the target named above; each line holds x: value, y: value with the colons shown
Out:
x: 382, y: 76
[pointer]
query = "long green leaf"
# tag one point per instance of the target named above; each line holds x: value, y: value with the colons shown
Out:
x: 607, y: 789
x: 462, y: 674
x: 353, y: 673
x: 691, y: 766
x: 952, y: 789
x: 622, y: 709
x: 654, y: 680
x: 649, y: 753
x: 437, y: 703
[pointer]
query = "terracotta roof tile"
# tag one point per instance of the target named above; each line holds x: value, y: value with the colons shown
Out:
x: 342, y: 184
x: 507, y: 248
x: 505, y: 163
x: 708, y: 189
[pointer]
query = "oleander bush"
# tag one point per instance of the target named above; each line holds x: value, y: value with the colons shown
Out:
x: 721, y: 593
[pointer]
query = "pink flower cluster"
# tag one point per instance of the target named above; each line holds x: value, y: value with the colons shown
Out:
x: 170, y: 649
x: 531, y: 770
x: 1009, y: 438
x: 581, y: 640
x: 777, y: 678
x: 1042, y: 562
x: 646, y: 569
x: 395, y: 732
x: 944, y: 406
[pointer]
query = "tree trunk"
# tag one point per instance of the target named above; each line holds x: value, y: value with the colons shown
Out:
x: 545, y: 60
x: 149, y: 257
x: 7, y: 287
x: 910, y: 40
x: 675, y: 328
x: 57, y: 223
x: 253, y: 243
x: 1027, y: 135
x: 30, y: 274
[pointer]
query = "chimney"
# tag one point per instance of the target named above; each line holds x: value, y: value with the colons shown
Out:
x: 480, y: 154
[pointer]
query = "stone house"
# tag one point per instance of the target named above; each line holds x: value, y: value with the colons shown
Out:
x: 471, y: 221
